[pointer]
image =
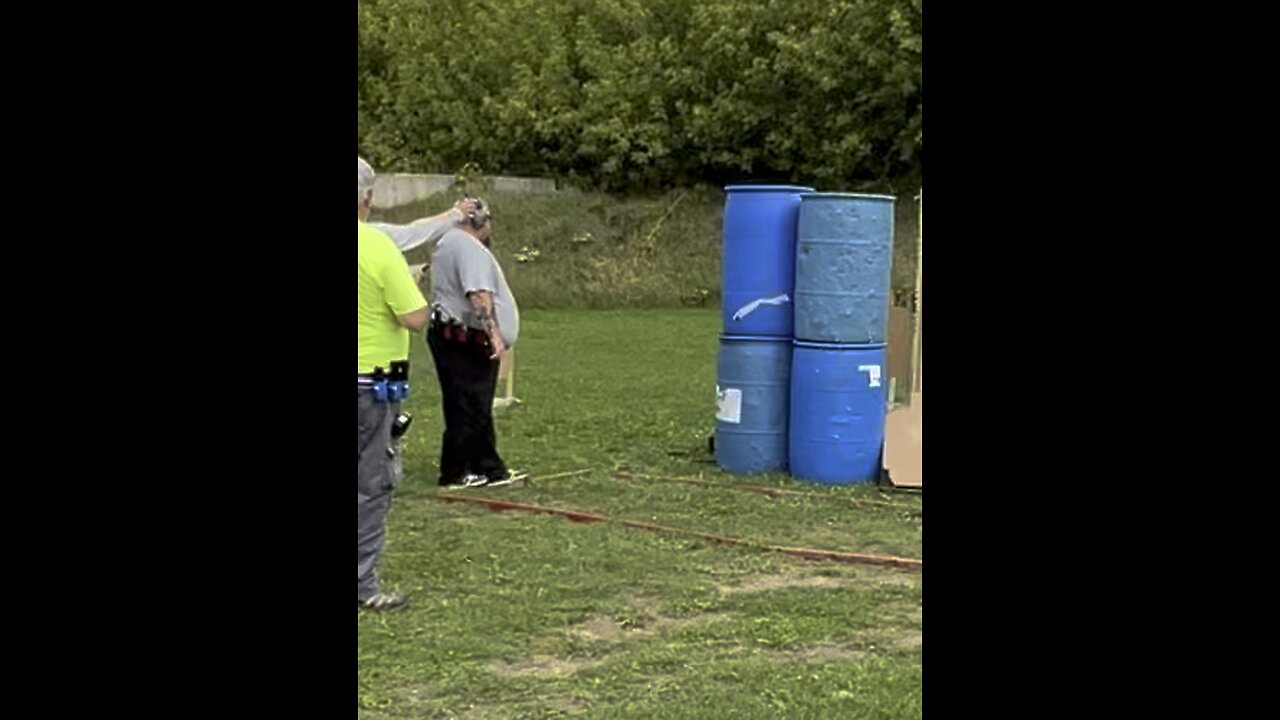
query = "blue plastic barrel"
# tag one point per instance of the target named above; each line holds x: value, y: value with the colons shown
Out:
x: 838, y: 395
x: 844, y: 251
x: 753, y: 386
x: 759, y: 258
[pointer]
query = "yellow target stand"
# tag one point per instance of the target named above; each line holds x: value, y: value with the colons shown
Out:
x: 505, y: 397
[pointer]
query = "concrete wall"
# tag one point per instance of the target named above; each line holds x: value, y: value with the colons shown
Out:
x: 392, y: 190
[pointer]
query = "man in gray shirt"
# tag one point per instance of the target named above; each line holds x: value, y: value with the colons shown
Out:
x: 474, y: 320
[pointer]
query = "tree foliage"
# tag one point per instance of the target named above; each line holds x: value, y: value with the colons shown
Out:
x: 642, y: 94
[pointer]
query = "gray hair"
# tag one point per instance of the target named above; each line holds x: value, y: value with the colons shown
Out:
x: 364, y: 177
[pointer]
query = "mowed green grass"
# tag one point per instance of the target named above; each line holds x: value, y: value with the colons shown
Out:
x: 520, y: 615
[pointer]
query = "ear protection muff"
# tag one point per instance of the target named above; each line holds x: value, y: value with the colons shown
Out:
x: 481, y: 214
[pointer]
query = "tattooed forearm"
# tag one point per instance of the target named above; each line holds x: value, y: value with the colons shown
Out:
x: 482, y: 306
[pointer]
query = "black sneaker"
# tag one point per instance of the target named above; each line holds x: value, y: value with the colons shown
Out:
x: 510, y: 477
x: 382, y: 601
x: 466, y: 481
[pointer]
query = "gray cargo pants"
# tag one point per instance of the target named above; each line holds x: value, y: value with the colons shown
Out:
x: 379, y: 471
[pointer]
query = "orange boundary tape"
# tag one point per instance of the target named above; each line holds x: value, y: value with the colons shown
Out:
x: 497, y: 505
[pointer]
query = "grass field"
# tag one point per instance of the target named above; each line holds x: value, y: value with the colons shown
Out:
x: 518, y: 615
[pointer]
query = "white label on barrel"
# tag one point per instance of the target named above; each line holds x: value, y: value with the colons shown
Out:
x: 729, y: 405
x: 873, y: 371
x: 750, y: 307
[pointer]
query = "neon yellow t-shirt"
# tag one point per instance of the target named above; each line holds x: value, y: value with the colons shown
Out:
x: 386, y: 289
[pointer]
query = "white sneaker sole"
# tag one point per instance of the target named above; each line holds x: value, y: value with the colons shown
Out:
x: 513, y: 477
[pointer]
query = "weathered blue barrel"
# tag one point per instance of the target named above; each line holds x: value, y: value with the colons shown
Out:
x: 753, y: 386
x: 844, y: 251
x: 759, y: 258
x: 838, y: 395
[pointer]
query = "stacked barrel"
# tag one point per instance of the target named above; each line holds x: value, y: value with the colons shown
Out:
x: 800, y: 372
x: 753, y: 366
x: 838, y: 388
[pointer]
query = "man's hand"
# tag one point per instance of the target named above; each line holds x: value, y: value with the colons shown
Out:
x: 466, y: 206
x: 482, y: 306
x: 499, y: 347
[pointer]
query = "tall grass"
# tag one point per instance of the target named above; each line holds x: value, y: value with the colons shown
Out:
x: 575, y: 249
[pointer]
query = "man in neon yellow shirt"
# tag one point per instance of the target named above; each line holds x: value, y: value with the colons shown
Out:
x: 388, y: 307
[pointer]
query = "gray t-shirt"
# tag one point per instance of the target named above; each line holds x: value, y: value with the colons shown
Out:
x: 461, y: 265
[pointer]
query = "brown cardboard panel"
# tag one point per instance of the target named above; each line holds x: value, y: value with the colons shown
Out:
x: 902, y: 444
